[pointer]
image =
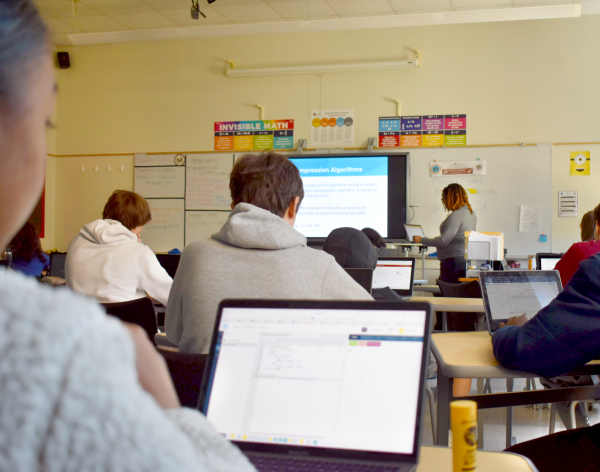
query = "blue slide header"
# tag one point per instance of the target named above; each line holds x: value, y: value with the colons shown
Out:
x: 341, y: 166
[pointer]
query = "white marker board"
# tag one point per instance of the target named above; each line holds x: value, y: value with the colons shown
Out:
x: 207, y: 186
x: 515, y: 176
x: 160, y: 182
x: 149, y: 160
x: 166, y: 230
x: 202, y: 224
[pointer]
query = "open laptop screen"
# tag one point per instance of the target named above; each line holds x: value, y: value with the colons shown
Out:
x: 396, y: 273
x: 507, y: 294
x: 318, y: 377
x: 548, y: 263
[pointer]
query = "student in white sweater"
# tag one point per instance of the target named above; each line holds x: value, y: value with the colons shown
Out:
x: 79, y: 391
x: 108, y: 260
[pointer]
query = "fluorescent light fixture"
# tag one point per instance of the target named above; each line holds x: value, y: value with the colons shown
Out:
x: 317, y: 69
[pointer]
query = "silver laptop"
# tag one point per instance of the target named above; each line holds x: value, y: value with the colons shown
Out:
x: 514, y: 293
x: 412, y: 231
x: 398, y: 273
x: 342, y: 384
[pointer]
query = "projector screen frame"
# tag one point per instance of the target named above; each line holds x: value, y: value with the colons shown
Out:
x: 397, y: 214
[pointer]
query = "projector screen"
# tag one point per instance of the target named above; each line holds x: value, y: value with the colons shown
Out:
x: 353, y: 190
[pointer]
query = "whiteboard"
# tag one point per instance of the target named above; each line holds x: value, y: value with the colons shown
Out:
x: 165, y: 230
x: 159, y: 160
x: 202, y: 224
x: 207, y: 186
x: 160, y: 182
x: 518, y: 175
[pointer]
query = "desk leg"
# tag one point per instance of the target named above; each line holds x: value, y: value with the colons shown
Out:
x: 422, y: 263
x: 444, y: 386
x: 509, y: 415
x: 444, y: 322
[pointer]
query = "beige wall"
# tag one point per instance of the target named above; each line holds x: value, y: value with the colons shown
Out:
x: 534, y: 81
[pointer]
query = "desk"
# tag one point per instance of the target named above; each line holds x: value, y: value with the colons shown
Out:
x: 470, y: 355
x: 468, y: 279
x: 470, y: 305
x: 427, y: 288
x: 439, y: 459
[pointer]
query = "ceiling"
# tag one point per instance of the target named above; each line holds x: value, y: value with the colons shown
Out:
x: 76, y: 17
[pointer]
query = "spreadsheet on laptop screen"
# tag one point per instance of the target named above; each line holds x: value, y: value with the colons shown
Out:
x: 394, y: 274
x: 346, y: 379
x: 515, y: 296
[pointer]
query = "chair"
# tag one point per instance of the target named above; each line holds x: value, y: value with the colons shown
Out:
x: 186, y: 371
x: 461, y: 321
x: 139, y: 312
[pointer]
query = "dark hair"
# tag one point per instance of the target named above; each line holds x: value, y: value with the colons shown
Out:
x: 128, y: 208
x: 588, y: 224
x: 23, y: 37
x: 374, y: 237
x: 269, y: 181
x: 454, y: 196
x: 26, y: 244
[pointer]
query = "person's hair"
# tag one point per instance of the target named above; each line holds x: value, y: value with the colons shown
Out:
x: 374, y: 237
x: 23, y: 38
x: 588, y: 224
x: 128, y: 208
x: 26, y: 244
x: 454, y: 196
x: 269, y: 181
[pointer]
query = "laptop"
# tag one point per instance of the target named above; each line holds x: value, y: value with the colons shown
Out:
x: 363, y: 277
x: 514, y: 293
x: 170, y: 263
x: 412, y: 231
x: 546, y: 260
x: 338, y: 383
x: 57, y: 264
x: 398, y: 273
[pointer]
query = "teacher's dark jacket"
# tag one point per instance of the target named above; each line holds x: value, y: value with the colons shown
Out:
x: 563, y: 335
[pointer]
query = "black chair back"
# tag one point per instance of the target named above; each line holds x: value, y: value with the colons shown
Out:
x: 139, y: 312
x: 186, y: 371
x: 57, y: 264
x: 460, y: 290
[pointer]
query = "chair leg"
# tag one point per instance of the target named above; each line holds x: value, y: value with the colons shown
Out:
x: 432, y: 412
x: 552, y: 418
x: 572, y: 407
x: 487, y: 388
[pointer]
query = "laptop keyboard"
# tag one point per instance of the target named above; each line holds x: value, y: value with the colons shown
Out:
x: 285, y: 464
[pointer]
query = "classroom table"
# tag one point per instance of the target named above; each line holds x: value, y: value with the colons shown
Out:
x: 427, y: 288
x: 470, y: 305
x: 468, y: 279
x: 469, y: 355
x: 439, y: 459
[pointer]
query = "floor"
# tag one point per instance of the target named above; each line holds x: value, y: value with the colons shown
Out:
x: 528, y: 422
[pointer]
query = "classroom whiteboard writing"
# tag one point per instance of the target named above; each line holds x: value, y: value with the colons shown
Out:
x: 207, y: 186
x: 166, y: 229
x: 160, y: 182
x: 202, y: 224
x: 150, y: 160
x: 515, y: 176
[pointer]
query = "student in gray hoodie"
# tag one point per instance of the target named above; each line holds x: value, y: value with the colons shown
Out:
x: 257, y: 254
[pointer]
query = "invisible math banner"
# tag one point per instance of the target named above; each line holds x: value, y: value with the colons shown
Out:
x: 254, y: 135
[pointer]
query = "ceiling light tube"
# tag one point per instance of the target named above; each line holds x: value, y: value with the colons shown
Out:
x: 317, y: 69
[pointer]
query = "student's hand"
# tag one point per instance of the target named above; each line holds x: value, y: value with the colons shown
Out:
x: 516, y: 321
x: 417, y: 239
x: 153, y: 373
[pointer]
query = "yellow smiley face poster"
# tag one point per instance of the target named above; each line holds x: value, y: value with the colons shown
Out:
x: 580, y: 163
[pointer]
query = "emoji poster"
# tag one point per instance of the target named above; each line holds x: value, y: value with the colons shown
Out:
x: 580, y: 163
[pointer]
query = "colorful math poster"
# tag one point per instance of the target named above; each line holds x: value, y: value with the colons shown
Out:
x: 389, y: 131
x: 580, y: 163
x: 423, y: 131
x: 332, y: 128
x: 249, y: 135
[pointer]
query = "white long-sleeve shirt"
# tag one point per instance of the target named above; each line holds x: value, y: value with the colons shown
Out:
x: 106, y: 261
x: 70, y: 400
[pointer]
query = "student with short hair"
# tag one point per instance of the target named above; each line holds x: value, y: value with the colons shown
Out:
x: 569, y: 262
x: 79, y: 390
x: 256, y: 254
x: 108, y: 260
x: 377, y: 242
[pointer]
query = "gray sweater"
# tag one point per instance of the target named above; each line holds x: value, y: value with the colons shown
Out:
x: 451, y: 242
x: 255, y: 255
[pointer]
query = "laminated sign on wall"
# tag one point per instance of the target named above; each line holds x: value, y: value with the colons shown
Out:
x: 457, y: 168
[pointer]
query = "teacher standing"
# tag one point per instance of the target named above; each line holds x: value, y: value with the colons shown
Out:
x: 451, y: 241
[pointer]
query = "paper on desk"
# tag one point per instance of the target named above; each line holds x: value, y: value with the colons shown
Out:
x: 495, y: 242
x: 530, y: 219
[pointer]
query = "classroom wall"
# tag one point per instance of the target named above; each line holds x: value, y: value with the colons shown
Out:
x: 534, y: 81
x: 565, y: 230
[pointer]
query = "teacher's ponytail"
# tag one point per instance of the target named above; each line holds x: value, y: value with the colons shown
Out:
x: 454, y: 196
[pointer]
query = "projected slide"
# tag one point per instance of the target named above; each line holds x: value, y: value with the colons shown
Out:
x: 343, y: 191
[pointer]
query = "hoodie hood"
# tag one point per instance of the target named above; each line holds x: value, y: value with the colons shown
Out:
x: 251, y: 227
x: 107, y: 232
x: 351, y: 248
